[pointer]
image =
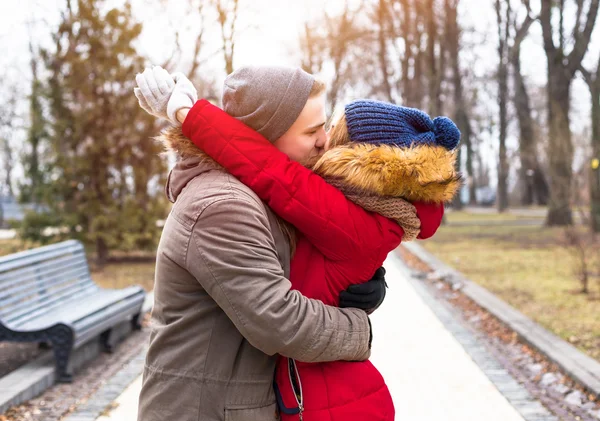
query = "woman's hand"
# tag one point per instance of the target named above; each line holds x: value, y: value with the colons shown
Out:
x: 367, y: 296
x: 164, y: 95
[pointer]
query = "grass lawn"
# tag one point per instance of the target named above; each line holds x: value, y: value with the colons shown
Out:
x: 14, y: 245
x: 528, y: 267
x: 121, y: 275
x: 458, y: 217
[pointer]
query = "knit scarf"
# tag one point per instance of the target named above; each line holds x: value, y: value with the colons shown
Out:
x: 395, y: 208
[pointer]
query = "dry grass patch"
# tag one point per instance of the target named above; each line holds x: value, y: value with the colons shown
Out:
x: 530, y: 268
x: 121, y: 275
x: 463, y: 216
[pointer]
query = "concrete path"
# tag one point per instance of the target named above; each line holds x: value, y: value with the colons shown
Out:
x: 430, y: 374
x: 125, y: 407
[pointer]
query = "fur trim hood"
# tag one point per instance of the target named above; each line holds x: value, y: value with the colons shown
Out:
x: 419, y: 173
x: 174, y: 140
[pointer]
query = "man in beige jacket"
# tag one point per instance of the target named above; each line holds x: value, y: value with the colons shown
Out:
x: 224, y: 307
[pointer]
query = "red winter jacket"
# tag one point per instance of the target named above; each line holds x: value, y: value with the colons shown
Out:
x: 339, y: 244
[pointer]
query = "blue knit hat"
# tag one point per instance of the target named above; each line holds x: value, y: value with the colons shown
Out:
x: 382, y: 123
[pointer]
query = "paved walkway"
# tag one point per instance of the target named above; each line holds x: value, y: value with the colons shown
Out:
x: 432, y: 375
x: 126, y: 404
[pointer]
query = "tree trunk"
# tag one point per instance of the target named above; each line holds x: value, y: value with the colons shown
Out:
x: 467, y: 140
x: 440, y: 78
x: 463, y: 123
x: 101, y: 252
x: 461, y: 116
x: 382, y: 16
x: 595, y: 181
x: 419, y: 90
x: 457, y: 203
x: 560, y: 152
x: 502, y: 104
x: 8, y: 166
x: 408, y: 34
x: 434, y: 94
x: 535, y: 187
x: 593, y: 82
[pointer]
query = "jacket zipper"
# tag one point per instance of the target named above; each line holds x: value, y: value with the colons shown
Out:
x: 297, y: 394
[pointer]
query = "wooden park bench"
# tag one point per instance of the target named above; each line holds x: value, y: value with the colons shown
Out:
x: 47, y: 296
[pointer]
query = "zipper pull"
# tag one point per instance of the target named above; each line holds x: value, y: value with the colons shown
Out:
x: 301, y: 408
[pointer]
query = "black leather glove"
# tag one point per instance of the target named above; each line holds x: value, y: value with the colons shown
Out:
x: 367, y: 296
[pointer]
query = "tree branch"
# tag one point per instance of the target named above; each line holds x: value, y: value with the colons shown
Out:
x: 522, y: 31
x: 582, y: 39
x: 587, y: 76
x: 597, y: 76
x: 578, y: 16
x: 232, y: 29
x: 561, y: 26
x: 167, y: 63
x: 197, y: 46
x: 547, y: 30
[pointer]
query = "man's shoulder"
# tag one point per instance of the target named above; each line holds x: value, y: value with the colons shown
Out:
x: 216, y: 189
x: 219, y: 185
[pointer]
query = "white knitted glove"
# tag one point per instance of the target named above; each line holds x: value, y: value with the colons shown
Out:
x: 154, y: 90
x: 162, y: 95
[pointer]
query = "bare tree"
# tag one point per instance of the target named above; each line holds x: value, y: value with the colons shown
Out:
x: 383, y: 35
x: 340, y: 41
x: 435, y: 62
x: 419, y: 78
x: 452, y: 35
x: 503, y: 20
x: 7, y: 129
x: 562, y: 66
x: 535, y: 187
x: 592, y: 78
x: 198, y: 43
x: 228, y: 14
x: 312, y: 48
x: 404, y: 27
x: 343, y: 31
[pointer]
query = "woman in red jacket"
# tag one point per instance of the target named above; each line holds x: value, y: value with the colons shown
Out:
x: 343, y: 233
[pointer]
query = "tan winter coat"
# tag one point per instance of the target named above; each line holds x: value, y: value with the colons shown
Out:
x: 224, y: 308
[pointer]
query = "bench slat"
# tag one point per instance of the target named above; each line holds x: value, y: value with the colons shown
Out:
x: 28, y: 313
x: 25, y: 258
x: 77, y: 309
x: 41, y: 291
x: 50, y: 301
x: 38, y: 272
x: 94, y: 324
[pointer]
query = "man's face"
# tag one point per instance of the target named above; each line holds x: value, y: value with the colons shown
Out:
x: 306, y: 138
